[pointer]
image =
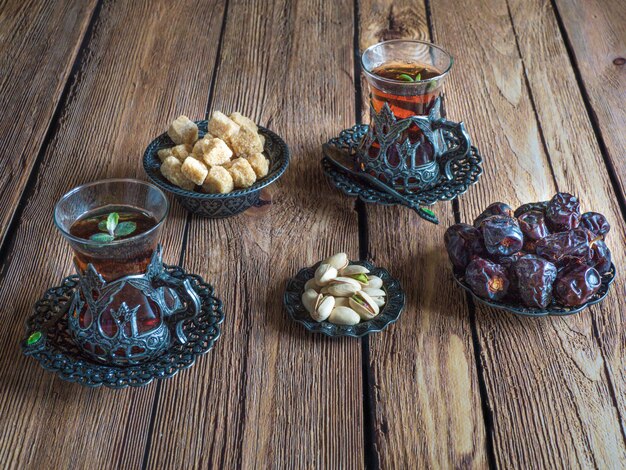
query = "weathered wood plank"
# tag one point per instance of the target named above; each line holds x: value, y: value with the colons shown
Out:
x: 143, y: 66
x: 39, y: 41
x: 596, y: 31
x: 426, y: 394
x: 270, y: 394
x: 577, y: 162
x: 549, y: 395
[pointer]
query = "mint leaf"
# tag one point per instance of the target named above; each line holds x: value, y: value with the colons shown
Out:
x: 101, y: 237
x: 102, y: 225
x: 405, y: 77
x: 125, y: 228
x: 112, y: 221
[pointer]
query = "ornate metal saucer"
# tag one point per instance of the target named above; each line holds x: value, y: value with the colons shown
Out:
x: 389, y: 313
x: 465, y: 172
x: 50, y: 342
x: 215, y: 206
x: 554, y: 309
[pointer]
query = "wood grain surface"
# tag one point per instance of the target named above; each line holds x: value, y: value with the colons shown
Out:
x: 424, y: 378
x: 548, y: 375
x: 85, y: 86
x: 595, y: 31
x: 40, y: 41
x: 113, y: 112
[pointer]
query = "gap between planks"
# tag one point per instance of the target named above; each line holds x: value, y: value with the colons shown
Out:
x: 183, y: 250
x: 73, y: 79
x: 370, y: 452
x: 591, y: 114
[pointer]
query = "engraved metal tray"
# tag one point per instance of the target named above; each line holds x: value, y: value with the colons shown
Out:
x: 465, y: 172
x: 389, y: 313
x: 553, y: 309
x: 49, y: 342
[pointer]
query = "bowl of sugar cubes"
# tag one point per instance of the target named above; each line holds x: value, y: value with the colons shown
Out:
x: 216, y: 168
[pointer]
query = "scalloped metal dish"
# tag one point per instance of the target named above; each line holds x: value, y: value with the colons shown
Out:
x: 466, y: 173
x: 56, y: 352
x: 553, y: 309
x: 215, y: 206
x: 389, y: 314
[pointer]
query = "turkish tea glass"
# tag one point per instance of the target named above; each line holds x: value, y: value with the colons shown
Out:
x: 117, y: 258
x: 406, y: 98
x: 406, y: 145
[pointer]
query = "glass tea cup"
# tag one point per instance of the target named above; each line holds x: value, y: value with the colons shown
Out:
x: 118, y: 315
x: 405, y: 145
x: 117, y: 258
x: 391, y: 69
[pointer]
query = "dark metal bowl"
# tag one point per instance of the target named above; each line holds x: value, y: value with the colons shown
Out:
x: 216, y: 206
x: 389, y: 313
x: 554, y: 308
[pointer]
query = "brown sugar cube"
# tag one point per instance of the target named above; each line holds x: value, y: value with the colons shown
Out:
x: 218, y: 181
x: 242, y: 173
x: 181, y: 151
x: 183, y: 131
x: 213, y: 151
x: 171, y: 170
x: 259, y: 164
x: 194, y: 170
x: 246, y: 143
x: 199, y: 146
x: 164, y: 153
x: 244, y: 121
x: 222, y: 126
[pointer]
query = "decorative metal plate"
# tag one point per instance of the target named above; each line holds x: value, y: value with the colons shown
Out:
x: 216, y: 206
x: 465, y: 173
x: 554, y: 308
x: 50, y: 343
x: 389, y: 313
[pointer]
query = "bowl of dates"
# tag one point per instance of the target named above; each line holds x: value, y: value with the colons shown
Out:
x: 543, y: 258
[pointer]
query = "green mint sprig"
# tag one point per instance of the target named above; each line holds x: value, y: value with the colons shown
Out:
x: 111, y: 228
x: 408, y: 78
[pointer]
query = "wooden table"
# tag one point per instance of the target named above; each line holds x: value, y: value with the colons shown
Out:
x: 541, y: 86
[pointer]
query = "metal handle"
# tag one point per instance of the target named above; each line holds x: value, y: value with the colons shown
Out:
x: 456, y: 153
x: 192, y: 304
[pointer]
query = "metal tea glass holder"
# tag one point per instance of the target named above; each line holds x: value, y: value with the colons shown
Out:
x: 393, y: 159
x: 188, y: 326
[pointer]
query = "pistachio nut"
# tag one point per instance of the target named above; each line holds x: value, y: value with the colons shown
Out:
x: 343, y: 287
x: 323, y: 308
x: 311, y: 284
x: 353, y: 269
x: 344, y: 316
x: 310, y: 300
x: 380, y: 301
x: 364, y: 305
x: 356, y: 272
x: 324, y: 274
x: 374, y: 292
x: 342, y: 301
x: 374, y: 282
x: 345, y: 280
x: 337, y: 261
